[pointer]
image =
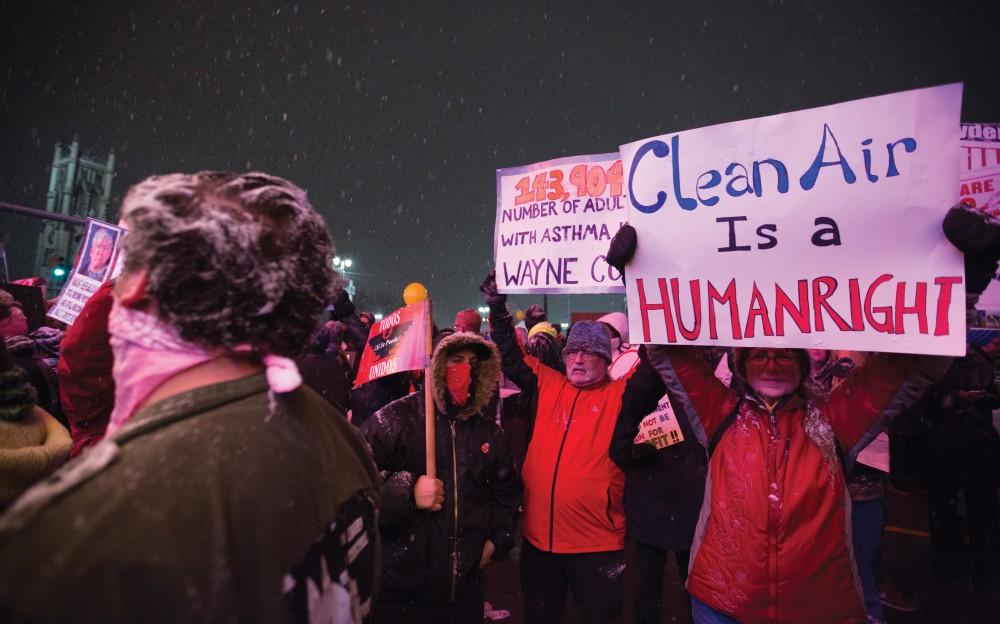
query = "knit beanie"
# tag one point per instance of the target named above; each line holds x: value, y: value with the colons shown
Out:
x: 468, y: 320
x: 542, y: 328
x: 589, y: 337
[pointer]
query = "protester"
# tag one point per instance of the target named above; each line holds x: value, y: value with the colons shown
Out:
x: 574, y: 525
x: 323, y: 368
x: 86, y: 382
x: 664, y: 487
x: 225, y: 490
x: 965, y: 456
x: 771, y: 544
x: 468, y: 320
x: 32, y: 442
x: 433, y: 570
x: 26, y: 353
x: 13, y: 322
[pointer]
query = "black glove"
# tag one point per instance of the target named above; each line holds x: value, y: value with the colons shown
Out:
x: 977, y: 235
x: 489, y: 289
x: 342, y: 306
x: 534, y: 315
x: 622, y: 247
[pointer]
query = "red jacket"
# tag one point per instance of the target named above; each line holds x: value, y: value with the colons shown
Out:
x: 773, y: 542
x: 86, y: 388
x: 572, y: 489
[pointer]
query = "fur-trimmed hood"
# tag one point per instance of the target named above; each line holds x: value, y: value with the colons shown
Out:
x: 486, y: 373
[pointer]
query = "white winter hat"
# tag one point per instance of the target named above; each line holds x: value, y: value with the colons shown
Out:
x: 619, y: 321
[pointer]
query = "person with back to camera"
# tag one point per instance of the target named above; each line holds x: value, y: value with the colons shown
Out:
x: 225, y: 490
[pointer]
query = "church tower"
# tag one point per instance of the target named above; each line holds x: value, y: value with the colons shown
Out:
x: 79, y: 186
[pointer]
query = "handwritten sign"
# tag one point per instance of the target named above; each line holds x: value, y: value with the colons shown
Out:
x: 100, y: 259
x: 396, y: 343
x: 553, y: 225
x: 980, y: 188
x: 660, y: 428
x: 818, y: 228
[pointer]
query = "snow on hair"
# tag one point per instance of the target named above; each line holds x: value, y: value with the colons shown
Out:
x: 231, y: 258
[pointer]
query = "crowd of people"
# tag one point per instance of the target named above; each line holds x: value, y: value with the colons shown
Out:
x: 193, y: 448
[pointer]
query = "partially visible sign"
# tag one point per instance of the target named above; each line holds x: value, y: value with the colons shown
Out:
x: 99, y: 261
x: 396, y: 343
x: 660, y: 428
x: 980, y: 188
x: 554, y: 222
x: 980, y: 145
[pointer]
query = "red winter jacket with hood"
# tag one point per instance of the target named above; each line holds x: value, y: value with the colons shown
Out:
x: 773, y: 540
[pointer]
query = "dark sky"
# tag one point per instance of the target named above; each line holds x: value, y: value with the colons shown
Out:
x: 396, y: 116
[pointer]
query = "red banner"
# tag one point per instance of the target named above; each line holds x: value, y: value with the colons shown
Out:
x: 396, y: 343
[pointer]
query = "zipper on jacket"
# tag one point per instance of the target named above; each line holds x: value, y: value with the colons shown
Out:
x: 555, y: 471
x: 454, y: 539
x: 773, y: 511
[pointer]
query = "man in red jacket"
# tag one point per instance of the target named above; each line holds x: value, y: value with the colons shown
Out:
x: 574, y: 523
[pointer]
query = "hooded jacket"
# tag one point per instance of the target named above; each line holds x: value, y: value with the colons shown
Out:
x: 428, y: 555
x: 773, y: 540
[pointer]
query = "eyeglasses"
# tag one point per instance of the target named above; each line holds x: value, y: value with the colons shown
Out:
x: 584, y: 355
x: 781, y: 358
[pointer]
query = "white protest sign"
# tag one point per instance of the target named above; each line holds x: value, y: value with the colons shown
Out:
x: 980, y: 145
x: 553, y: 225
x: 980, y: 188
x: 97, y: 262
x: 818, y: 228
x: 660, y: 428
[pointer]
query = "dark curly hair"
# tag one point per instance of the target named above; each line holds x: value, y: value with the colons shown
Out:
x: 232, y: 259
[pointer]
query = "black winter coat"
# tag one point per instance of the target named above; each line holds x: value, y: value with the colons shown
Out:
x: 664, y: 488
x: 419, y: 547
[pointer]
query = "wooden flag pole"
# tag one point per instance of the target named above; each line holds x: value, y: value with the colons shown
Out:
x: 429, y: 396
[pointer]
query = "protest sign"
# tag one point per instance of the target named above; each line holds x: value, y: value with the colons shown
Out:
x: 660, y: 428
x: 980, y: 145
x: 980, y: 189
x: 553, y: 224
x: 97, y: 262
x: 818, y: 228
x: 396, y: 343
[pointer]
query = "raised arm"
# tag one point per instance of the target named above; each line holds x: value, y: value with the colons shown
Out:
x: 502, y: 332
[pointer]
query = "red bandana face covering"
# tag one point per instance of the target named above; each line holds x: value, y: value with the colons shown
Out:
x: 457, y: 377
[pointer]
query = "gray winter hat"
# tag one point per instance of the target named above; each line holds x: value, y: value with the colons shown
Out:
x: 589, y: 337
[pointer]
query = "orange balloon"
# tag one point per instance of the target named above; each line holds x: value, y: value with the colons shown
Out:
x: 519, y: 315
x: 415, y: 292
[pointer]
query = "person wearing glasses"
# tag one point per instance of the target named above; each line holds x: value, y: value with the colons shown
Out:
x: 773, y: 542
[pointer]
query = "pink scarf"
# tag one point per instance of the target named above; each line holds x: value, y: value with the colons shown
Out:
x: 147, y: 352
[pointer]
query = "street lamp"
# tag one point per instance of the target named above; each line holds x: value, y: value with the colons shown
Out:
x: 342, y: 265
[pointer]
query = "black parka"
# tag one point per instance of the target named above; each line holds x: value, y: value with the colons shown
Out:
x: 424, y: 556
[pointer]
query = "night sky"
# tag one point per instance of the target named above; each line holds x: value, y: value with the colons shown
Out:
x: 395, y: 117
